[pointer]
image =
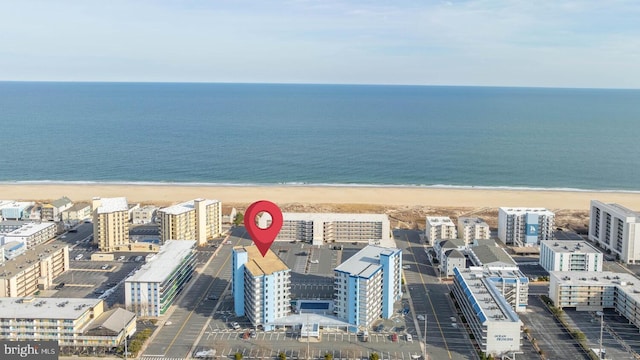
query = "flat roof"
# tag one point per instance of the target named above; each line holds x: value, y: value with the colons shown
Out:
x: 439, y: 220
x: 30, y: 258
x: 166, y: 260
x: 484, y: 296
x: 526, y: 210
x: 186, y: 206
x: 13, y: 245
x: 625, y: 282
x: 366, y: 262
x: 328, y: 217
x: 29, y: 229
x: 488, y: 254
x: 258, y: 265
x: 621, y: 210
x: 109, y: 205
x: 45, y: 308
x: 472, y: 220
x: 570, y: 246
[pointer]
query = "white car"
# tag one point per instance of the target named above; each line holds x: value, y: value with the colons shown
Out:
x: 421, y: 317
x: 314, y: 261
x: 409, y: 338
x: 406, y: 267
x: 235, y: 325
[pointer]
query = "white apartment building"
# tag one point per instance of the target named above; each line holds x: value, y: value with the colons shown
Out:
x: 452, y: 259
x: 323, y: 228
x: 367, y: 285
x: 440, y: 228
x: 594, y: 291
x: 31, y: 234
x: 111, y: 223
x: 472, y: 228
x: 34, y: 270
x: 493, y: 323
x: 616, y: 229
x: 261, y: 286
x: 525, y: 226
x: 76, y: 213
x: 76, y: 324
x: 569, y: 255
x: 152, y: 289
x: 199, y: 219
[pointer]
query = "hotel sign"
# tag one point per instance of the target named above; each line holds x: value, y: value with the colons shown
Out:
x: 29, y: 350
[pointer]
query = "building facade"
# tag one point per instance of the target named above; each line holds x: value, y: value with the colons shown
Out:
x: 494, y: 324
x: 452, y: 259
x: 77, y: 212
x: 32, y: 234
x: 35, y: 270
x: 144, y: 215
x: 52, y: 211
x: 14, y: 210
x: 367, y: 285
x: 472, y: 228
x: 73, y: 322
x: 111, y: 223
x: 439, y: 228
x: 325, y: 228
x: 152, y: 289
x: 616, y: 229
x: 594, y: 291
x: 525, y: 226
x: 199, y: 219
x: 261, y: 286
x: 569, y: 255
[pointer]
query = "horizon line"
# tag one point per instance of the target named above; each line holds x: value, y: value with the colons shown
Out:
x: 314, y: 84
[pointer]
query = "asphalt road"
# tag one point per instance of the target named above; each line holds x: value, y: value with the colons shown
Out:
x: 446, y: 339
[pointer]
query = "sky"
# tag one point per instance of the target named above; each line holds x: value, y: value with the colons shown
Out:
x: 540, y: 43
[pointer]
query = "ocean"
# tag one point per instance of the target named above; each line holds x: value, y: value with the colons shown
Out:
x: 241, y: 134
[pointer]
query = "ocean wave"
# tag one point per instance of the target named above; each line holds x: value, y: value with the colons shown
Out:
x: 312, y: 184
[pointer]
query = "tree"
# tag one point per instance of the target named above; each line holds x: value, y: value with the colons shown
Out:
x: 282, y: 356
x: 374, y: 356
x: 239, y: 220
x: 328, y: 356
x: 238, y: 356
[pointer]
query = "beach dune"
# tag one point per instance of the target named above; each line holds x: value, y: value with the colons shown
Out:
x: 385, y: 196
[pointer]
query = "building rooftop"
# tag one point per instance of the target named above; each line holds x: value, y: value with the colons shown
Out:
x: 439, y: 220
x: 526, y: 210
x: 45, y: 308
x: 79, y: 206
x: 485, y: 297
x: 31, y: 228
x: 471, y: 221
x: 451, y: 243
x: 570, y: 246
x: 63, y: 201
x: 291, y: 216
x: 29, y: 258
x: 109, y: 205
x: 258, y: 265
x: 488, y: 254
x: 366, y: 262
x: 13, y: 245
x: 626, y: 282
x: 186, y: 206
x: 619, y: 208
x: 168, y: 258
x: 453, y: 253
x: 113, y: 320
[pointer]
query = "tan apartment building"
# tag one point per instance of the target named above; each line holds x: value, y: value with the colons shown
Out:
x: 199, y: 219
x: 78, y: 212
x: 111, y: 223
x: 74, y: 323
x: 34, y: 270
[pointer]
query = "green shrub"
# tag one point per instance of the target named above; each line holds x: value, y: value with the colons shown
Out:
x: 374, y: 356
x: 238, y: 356
x: 328, y: 356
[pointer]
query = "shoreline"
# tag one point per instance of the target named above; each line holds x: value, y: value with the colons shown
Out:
x: 394, y: 196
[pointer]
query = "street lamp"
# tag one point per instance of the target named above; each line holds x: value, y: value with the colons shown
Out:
x: 600, y: 351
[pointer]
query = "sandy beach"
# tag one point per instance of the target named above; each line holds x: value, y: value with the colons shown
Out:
x: 383, y: 196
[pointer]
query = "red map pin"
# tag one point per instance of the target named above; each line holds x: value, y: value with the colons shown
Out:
x: 263, y: 238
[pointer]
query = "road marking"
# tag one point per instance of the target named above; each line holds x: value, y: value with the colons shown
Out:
x: 415, y: 260
x: 202, y: 296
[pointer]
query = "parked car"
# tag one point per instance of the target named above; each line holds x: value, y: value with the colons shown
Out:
x: 253, y: 334
x: 379, y: 328
x: 394, y: 337
x: 420, y: 317
x: 409, y: 338
x: 235, y: 325
x: 104, y: 267
x: 59, y: 286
